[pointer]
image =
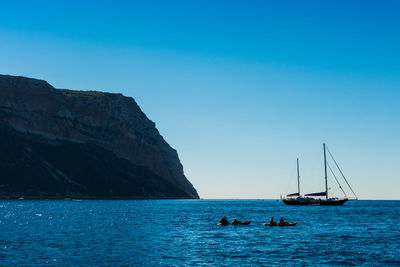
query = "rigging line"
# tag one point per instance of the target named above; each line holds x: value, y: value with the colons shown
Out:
x: 340, y: 186
x: 341, y: 173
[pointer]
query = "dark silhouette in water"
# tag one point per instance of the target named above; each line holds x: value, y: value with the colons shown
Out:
x: 237, y: 222
x: 322, y: 197
x: 280, y: 223
x: 224, y: 221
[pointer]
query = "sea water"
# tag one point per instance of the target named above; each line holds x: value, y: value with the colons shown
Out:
x: 185, y: 232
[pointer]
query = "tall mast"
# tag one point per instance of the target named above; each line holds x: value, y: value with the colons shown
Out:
x: 298, y: 177
x: 326, y: 175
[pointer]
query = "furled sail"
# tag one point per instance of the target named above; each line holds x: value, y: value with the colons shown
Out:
x: 292, y: 195
x: 317, y: 194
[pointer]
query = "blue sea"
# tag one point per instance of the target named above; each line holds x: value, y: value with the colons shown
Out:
x: 185, y: 232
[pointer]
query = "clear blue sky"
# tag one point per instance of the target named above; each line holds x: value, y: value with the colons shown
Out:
x: 239, y: 88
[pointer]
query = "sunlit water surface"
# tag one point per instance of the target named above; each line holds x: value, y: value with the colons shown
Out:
x: 185, y: 232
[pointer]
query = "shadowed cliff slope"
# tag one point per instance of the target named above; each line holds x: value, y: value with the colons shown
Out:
x: 64, y: 143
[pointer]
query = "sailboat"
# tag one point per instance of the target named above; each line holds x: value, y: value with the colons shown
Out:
x: 319, y: 198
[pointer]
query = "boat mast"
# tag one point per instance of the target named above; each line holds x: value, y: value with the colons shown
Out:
x: 326, y: 175
x: 298, y: 177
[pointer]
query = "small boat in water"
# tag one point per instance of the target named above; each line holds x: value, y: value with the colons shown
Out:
x: 320, y: 198
x: 242, y: 223
x: 281, y: 224
x: 238, y: 223
x: 224, y: 221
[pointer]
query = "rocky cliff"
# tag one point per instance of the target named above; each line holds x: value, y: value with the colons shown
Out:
x: 61, y: 143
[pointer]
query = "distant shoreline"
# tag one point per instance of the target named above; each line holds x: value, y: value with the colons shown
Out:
x: 201, y: 199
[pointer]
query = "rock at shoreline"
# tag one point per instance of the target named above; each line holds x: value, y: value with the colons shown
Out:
x: 82, y: 144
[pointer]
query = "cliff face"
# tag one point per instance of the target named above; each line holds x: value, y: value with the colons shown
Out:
x: 101, y: 129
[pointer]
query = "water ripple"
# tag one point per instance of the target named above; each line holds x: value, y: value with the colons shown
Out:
x: 184, y: 232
